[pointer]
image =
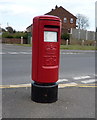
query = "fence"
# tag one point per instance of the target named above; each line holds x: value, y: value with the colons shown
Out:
x: 79, y: 34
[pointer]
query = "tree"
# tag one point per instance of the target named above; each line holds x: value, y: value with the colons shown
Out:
x: 3, y: 30
x: 9, y: 29
x: 82, y: 21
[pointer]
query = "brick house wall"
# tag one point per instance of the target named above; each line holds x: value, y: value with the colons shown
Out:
x: 70, y: 19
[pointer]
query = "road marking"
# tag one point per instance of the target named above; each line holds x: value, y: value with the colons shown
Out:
x: 25, y: 52
x: 21, y: 85
x: 89, y: 81
x: 70, y: 53
x: 59, y: 85
x: 62, y: 80
x: 4, y: 86
x: 67, y: 85
x: 81, y: 77
x: 1, y: 53
x: 15, y: 86
x: 31, y: 53
x: 13, y: 53
x: 67, y: 53
x: 29, y: 85
x: 88, y: 86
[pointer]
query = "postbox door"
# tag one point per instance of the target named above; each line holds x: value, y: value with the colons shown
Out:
x: 49, y: 49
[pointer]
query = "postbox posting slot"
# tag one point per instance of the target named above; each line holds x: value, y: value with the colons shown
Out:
x: 50, y: 26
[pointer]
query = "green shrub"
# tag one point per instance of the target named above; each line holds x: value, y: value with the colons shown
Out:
x: 25, y: 35
x: 65, y: 36
x: 20, y: 34
x: 15, y: 35
x: 7, y: 35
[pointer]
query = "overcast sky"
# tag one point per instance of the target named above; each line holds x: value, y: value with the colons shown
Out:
x: 19, y: 13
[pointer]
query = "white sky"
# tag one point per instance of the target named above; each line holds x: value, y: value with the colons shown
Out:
x: 19, y: 13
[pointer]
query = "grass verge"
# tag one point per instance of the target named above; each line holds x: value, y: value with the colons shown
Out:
x: 26, y: 45
x: 77, y: 47
x: 67, y: 47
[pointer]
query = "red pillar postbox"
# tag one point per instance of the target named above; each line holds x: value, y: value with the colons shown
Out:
x: 45, y: 58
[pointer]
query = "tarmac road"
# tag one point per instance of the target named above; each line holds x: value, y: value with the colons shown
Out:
x: 16, y: 64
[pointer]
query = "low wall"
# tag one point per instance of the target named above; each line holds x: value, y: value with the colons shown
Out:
x: 13, y: 41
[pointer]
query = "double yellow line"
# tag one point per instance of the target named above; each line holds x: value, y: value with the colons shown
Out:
x: 78, y: 85
x: 59, y: 86
x: 15, y: 86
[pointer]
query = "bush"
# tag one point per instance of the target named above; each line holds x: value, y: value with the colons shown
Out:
x: 15, y: 35
x: 7, y: 35
x: 65, y: 36
x: 20, y: 34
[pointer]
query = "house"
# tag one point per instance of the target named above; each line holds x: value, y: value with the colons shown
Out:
x: 68, y: 19
x: 29, y: 28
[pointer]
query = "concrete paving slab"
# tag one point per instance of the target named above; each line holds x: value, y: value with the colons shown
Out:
x: 72, y: 103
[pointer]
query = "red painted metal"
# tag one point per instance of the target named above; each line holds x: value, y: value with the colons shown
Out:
x: 45, y: 55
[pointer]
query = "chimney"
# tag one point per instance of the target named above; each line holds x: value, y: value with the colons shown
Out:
x: 56, y: 7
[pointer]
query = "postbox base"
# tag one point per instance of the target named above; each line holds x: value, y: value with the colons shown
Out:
x: 44, y: 93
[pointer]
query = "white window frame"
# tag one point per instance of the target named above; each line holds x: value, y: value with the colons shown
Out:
x: 71, y: 20
x: 65, y: 20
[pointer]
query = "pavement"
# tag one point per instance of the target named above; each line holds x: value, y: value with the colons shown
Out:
x: 72, y: 102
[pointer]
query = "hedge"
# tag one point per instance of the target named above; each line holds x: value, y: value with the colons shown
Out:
x: 65, y: 36
x: 15, y: 35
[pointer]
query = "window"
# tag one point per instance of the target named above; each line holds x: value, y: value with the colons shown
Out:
x: 71, y: 20
x: 65, y: 20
